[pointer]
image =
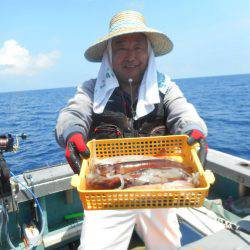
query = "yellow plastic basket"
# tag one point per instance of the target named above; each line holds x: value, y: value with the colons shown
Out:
x: 174, y: 147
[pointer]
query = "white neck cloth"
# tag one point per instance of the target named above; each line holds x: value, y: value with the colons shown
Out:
x: 106, y: 83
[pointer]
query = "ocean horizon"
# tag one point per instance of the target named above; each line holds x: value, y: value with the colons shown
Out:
x: 174, y: 79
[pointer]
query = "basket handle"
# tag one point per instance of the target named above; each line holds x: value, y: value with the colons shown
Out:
x: 196, y: 136
x: 209, y: 176
x: 75, y: 180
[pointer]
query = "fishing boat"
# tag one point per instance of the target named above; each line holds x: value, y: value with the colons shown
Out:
x: 41, y: 210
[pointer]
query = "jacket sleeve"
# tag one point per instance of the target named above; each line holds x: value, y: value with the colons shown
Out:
x: 77, y: 115
x: 181, y: 116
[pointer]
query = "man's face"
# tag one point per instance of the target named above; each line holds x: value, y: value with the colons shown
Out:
x: 130, y: 57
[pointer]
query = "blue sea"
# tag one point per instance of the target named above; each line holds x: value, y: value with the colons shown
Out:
x: 223, y: 102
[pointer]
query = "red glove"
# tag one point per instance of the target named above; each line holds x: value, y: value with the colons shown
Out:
x: 75, y: 150
x: 196, y: 136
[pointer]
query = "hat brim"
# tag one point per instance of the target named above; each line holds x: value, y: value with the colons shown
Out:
x: 161, y: 44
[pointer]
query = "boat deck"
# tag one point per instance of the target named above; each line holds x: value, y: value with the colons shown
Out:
x: 52, y: 187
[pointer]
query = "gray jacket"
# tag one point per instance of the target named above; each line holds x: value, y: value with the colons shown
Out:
x: 77, y: 115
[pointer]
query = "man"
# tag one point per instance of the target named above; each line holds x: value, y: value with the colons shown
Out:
x: 129, y: 98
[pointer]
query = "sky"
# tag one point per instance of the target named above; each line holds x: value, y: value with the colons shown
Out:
x: 42, y: 43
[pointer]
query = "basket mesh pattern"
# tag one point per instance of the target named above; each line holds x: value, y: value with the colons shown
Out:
x: 174, y: 146
x: 134, y: 146
x: 147, y: 199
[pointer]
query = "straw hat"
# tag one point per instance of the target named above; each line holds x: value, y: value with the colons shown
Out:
x: 127, y: 22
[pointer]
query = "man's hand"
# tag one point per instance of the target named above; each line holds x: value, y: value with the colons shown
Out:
x: 196, y: 136
x: 75, y: 150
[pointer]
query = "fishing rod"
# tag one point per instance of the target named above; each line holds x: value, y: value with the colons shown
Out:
x: 228, y: 224
x: 7, y: 145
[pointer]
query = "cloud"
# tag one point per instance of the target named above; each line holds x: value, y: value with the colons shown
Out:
x: 17, y: 60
